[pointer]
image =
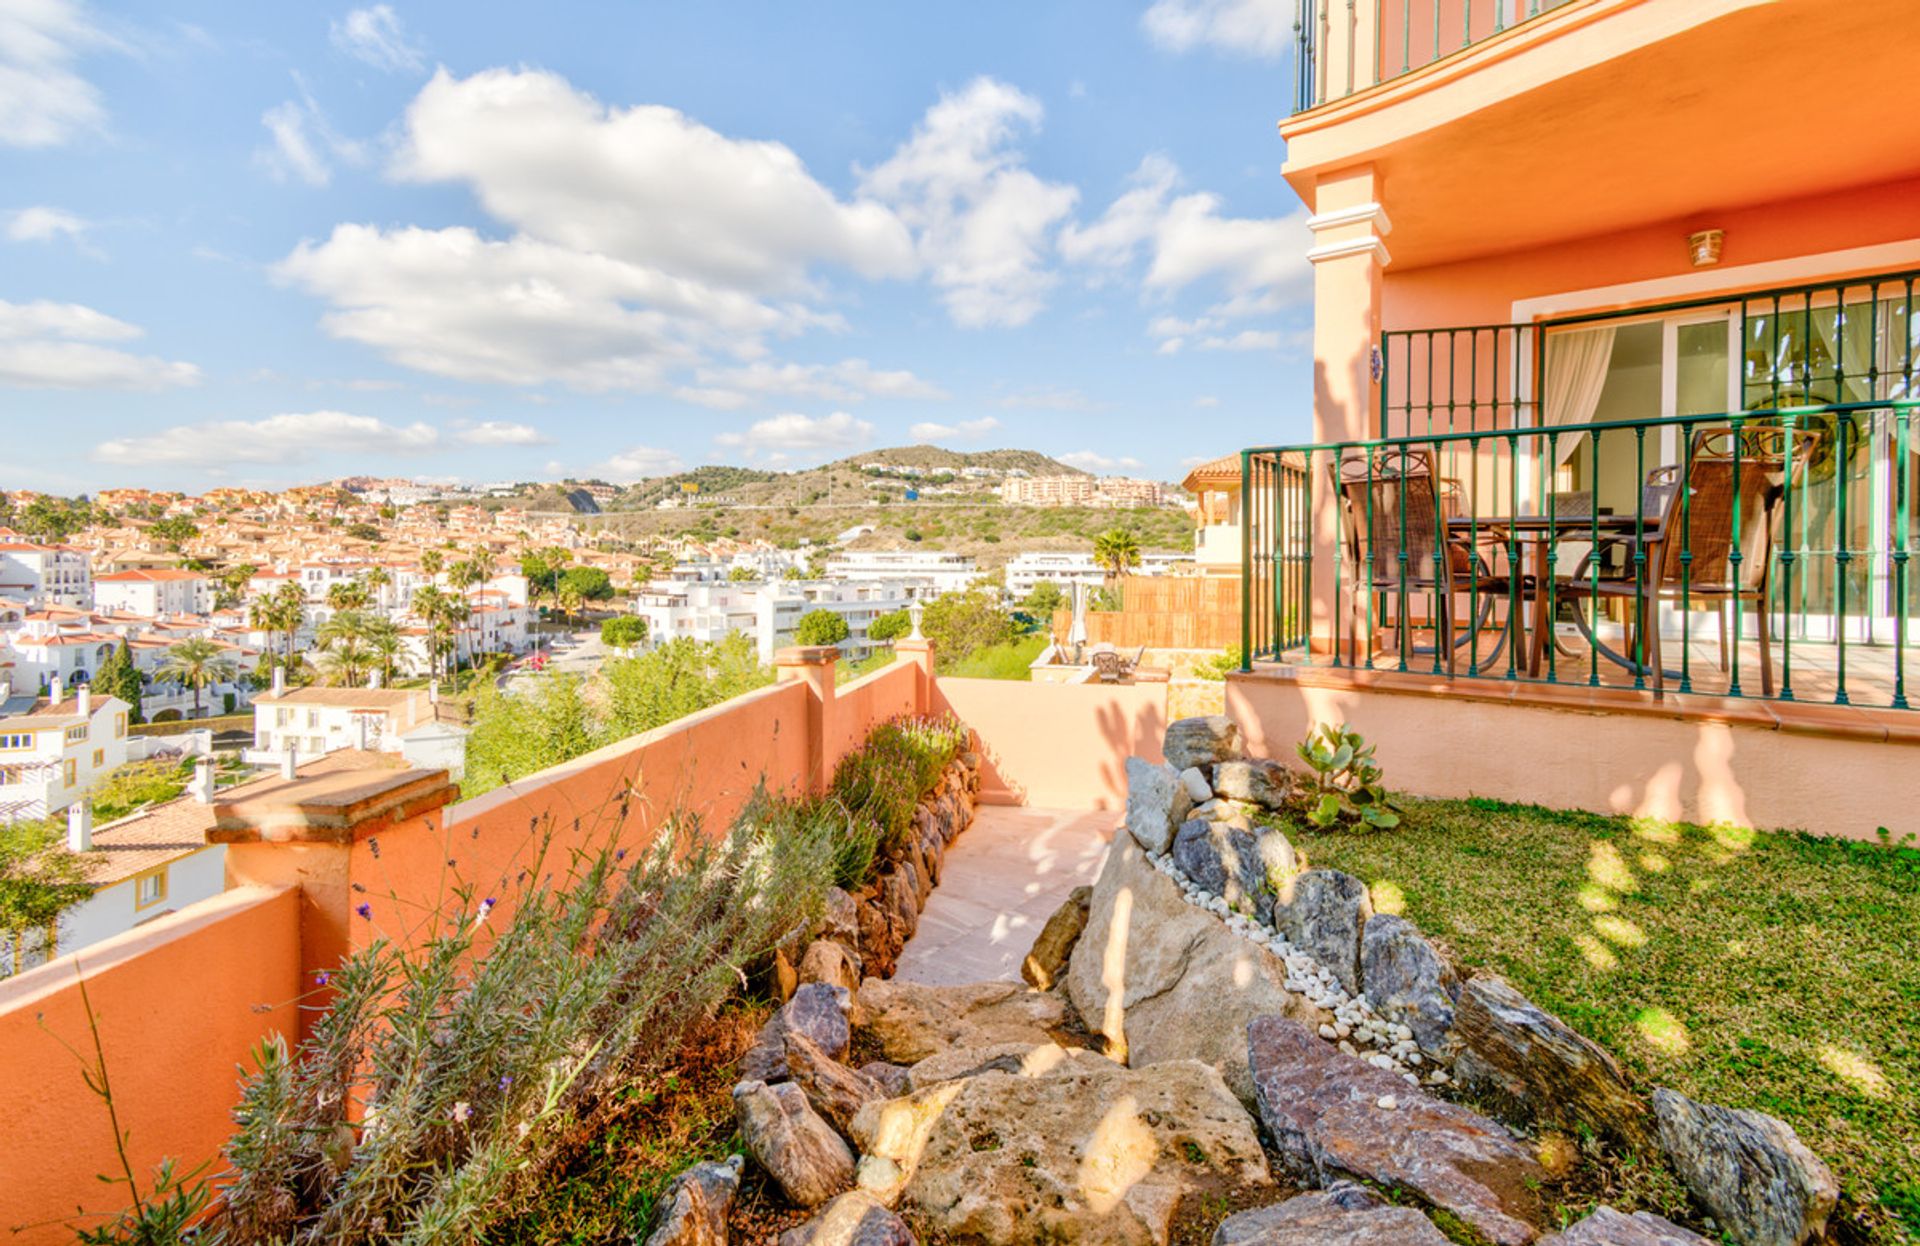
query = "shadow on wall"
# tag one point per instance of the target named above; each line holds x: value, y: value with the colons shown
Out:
x: 1060, y: 746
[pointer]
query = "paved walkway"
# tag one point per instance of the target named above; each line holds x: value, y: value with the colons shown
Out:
x: 1003, y: 878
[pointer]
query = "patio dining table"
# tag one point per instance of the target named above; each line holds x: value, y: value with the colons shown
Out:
x: 1538, y: 534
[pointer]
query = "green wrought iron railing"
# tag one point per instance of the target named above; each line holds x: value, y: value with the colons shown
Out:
x: 1494, y: 554
x: 1375, y: 41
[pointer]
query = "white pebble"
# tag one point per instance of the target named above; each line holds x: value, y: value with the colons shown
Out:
x: 1414, y: 1057
x: 1342, y: 1028
x: 1411, y: 1079
x: 1327, y: 1032
x: 1386, y: 1103
x: 1379, y: 1061
x: 1347, y: 1048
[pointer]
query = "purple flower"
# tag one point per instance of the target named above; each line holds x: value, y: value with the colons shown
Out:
x: 504, y: 1083
x: 320, y: 979
x: 620, y: 854
x: 366, y: 911
x: 373, y: 846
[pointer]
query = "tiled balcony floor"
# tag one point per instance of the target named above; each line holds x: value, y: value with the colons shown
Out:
x: 1003, y: 877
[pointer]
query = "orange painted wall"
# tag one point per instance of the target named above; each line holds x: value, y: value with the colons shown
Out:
x: 1059, y: 746
x: 176, y: 1001
x: 1483, y: 290
x: 864, y: 703
x: 708, y: 762
x: 1667, y: 768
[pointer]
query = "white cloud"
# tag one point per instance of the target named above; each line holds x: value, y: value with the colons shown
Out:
x: 982, y: 220
x: 305, y: 145
x: 501, y: 433
x: 1261, y: 263
x: 523, y: 312
x: 289, y: 438
x: 638, y: 463
x: 1206, y: 401
x: 847, y: 381
x: 965, y: 430
x: 647, y: 185
x: 46, y: 345
x: 783, y: 435
x: 375, y: 35
x: 45, y: 224
x: 646, y: 251
x: 1094, y: 461
x: 43, y: 102
x: 1252, y: 27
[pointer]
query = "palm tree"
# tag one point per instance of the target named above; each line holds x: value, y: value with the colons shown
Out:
x: 430, y: 563
x: 568, y: 598
x: 464, y: 574
x: 375, y: 580
x: 196, y: 664
x: 439, y: 610
x: 289, y: 604
x: 343, y: 644
x: 1117, y: 551
x: 347, y: 595
x: 383, y: 645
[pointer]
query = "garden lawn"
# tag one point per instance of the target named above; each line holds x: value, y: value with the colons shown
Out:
x: 1008, y: 661
x: 1777, y: 972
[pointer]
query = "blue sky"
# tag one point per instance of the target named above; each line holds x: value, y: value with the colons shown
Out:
x: 288, y: 242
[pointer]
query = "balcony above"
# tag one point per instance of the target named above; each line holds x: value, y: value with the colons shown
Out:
x: 1595, y: 116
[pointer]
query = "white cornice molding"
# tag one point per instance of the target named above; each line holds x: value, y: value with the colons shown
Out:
x: 1352, y: 246
x: 1372, y: 214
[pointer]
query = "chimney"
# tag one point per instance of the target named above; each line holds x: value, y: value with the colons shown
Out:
x: 80, y: 826
x: 59, y: 690
x: 290, y: 759
x: 86, y: 701
x: 202, y: 785
x: 279, y: 680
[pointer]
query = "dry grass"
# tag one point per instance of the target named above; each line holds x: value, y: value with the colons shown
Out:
x: 1769, y: 971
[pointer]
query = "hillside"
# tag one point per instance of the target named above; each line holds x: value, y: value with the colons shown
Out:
x: 851, y: 479
x: 988, y: 530
x: 933, y: 458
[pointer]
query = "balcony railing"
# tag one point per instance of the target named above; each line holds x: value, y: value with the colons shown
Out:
x: 1343, y: 46
x: 1744, y: 553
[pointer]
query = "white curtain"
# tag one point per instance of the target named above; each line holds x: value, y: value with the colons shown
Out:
x: 1577, y: 363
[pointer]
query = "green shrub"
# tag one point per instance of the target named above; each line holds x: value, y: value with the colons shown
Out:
x: 879, y: 783
x: 820, y: 627
x: 1012, y: 660
x: 1346, y: 780
x: 890, y: 626
x: 1219, y: 665
x: 478, y: 1054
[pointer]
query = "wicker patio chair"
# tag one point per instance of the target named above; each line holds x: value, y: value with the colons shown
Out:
x: 1109, y: 666
x: 1729, y: 471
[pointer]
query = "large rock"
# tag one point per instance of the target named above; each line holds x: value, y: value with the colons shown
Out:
x: 695, y: 1206
x: 1241, y: 866
x: 1092, y: 1154
x: 1321, y: 912
x: 1160, y: 979
x: 1342, y: 1215
x: 836, y: 1092
x: 1258, y: 782
x: 1332, y: 1116
x: 1157, y: 802
x: 786, y: 1137
x: 1749, y: 1169
x: 1530, y: 1062
x: 1407, y: 981
x: 1047, y: 961
x: 1026, y: 1059
x: 830, y: 962
x: 818, y: 1010
x: 1607, y: 1227
x: 840, y: 919
x: 1200, y: 742
x: 856, y: 1218
x: 908, y: 1022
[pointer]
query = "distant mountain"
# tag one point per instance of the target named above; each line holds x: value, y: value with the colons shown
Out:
x: 847, y: 479
x: 933, y: 458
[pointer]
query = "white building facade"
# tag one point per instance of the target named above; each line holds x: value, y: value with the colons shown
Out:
x: 153, y: 593
x: 51, y: 756
x: 770, y: 613
x: 44, y: 574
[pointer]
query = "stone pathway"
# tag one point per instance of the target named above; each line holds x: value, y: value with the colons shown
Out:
x: 1002, y: 879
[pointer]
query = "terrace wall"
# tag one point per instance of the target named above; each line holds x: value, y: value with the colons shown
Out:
x: 182, y: 1000
x: 1613, y: 751
x: 179, y: 1003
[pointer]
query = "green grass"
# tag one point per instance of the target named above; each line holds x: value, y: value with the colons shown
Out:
x: 1778, y: 972
x: 1008, y: 661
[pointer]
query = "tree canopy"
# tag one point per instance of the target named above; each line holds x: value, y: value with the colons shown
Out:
x: 623, y: 631
x: 960, y: 623
x: 820, y: 627
x: 890, y: 626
